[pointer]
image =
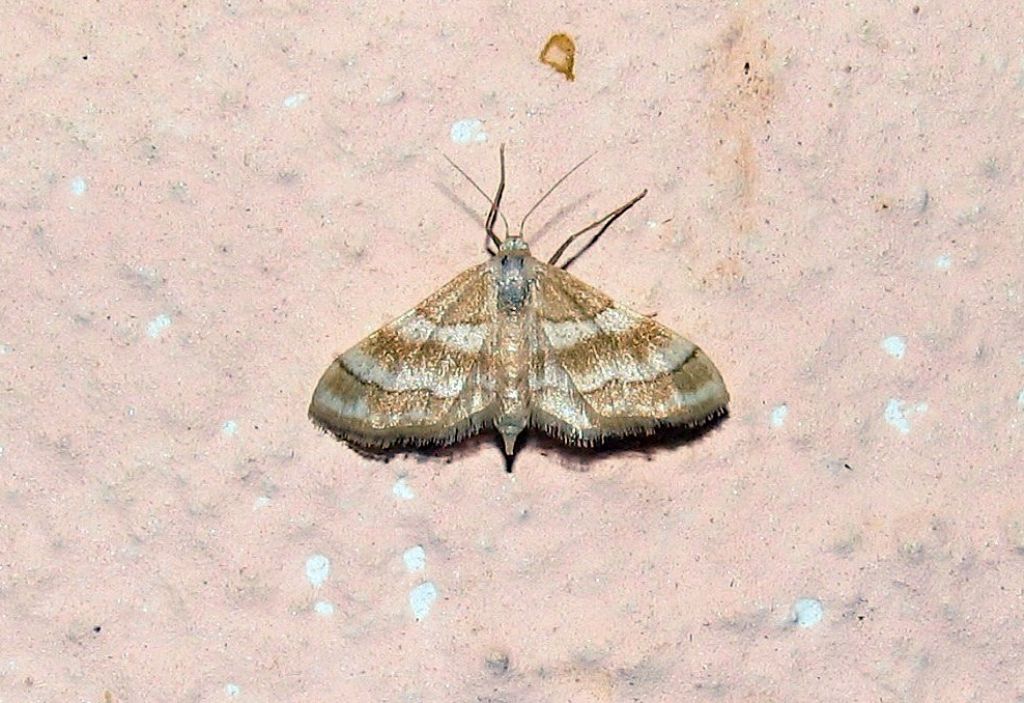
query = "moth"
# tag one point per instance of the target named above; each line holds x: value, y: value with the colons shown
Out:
x: 514, y: 343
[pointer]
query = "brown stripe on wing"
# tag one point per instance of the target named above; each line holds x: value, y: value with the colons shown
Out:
x: 463, y: 300
x: 351, y: 400
x: 688, y: 395
x: 562, y: 303
x: 629, y: 348
x: 370, y: 417
x: 392, y: 351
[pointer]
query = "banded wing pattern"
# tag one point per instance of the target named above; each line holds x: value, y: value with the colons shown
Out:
x: 601, y: 370
x: 422, y: 379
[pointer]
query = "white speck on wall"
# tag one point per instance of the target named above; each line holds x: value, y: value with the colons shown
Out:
x: 5, y: 349
x: 260, y: 502
x: 421, y: 599
x: 1020, y: 404
x: 229, y: 428
x: 318, y: 568
x: 232, y: 690
x: 324, y: 607
x: 895, y: 346
x: 807, y: 612
x: 391, y: 95
x: 469, y: 131
x: 777, y: 417
x: 78, y: 186
x: 415, y: 559
x: 944, y: 262
x: 293, y: 101
x: 402, y: 490
x: 898, y: 413
x: 157, y: 325
x: 894, y: 415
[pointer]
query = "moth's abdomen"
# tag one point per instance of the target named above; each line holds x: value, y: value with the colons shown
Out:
x: 511, y: 375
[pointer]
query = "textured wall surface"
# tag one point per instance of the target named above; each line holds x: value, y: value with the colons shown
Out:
x: 202, y: 202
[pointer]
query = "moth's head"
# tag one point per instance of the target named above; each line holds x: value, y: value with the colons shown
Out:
x: 514, y: 245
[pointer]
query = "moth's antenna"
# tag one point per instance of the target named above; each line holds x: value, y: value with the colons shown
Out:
x: 493, y: 213
x: 604, y: 223
x: 550, y: 191
x: 496, y: 203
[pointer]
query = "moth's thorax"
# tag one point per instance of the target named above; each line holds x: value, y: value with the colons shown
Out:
x: 514, y: 274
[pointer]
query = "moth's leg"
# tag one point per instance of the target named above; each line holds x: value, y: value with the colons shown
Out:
x: 604, y: 223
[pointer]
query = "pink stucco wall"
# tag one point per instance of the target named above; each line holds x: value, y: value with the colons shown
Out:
x: 202, y: 202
